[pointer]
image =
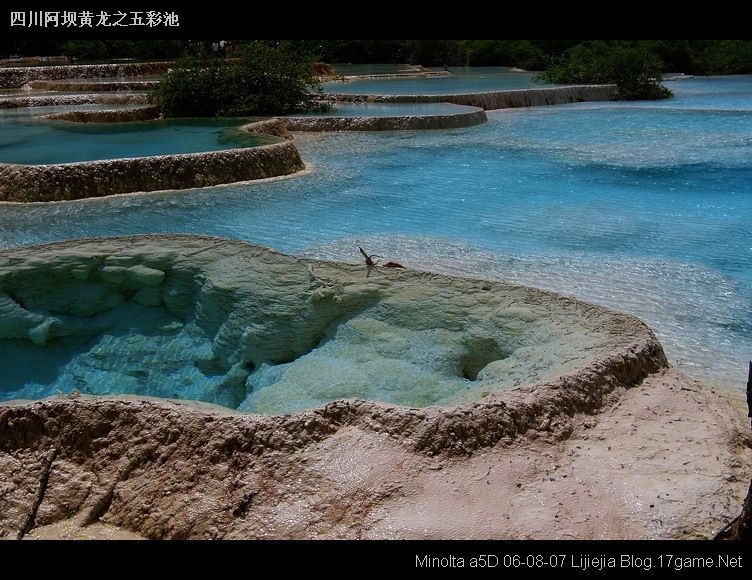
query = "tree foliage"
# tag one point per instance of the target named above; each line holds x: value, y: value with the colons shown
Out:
x: 519, y: 53
x: 97, y: 50
x: 728, y: 57
x: 261, y: 79
x: 688, y: 56
x: 634, y: 69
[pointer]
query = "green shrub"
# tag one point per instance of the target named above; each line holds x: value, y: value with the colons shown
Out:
x: 728, y: 57
x: 635, y: 70
x: 259, y: 80
x: 96, y: 50
x: 519, y: 53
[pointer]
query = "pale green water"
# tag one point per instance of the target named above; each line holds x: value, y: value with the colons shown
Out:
x: 33, y: 141
x: 462, y: 80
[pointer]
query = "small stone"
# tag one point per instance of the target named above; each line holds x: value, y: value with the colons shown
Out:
x: 113, y: 274
x: 81, y: 272
x: 41, y: 332
x: 142, y: 275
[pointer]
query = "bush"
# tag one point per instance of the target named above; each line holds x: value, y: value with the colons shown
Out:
x: 635, y: 70
x: 520, y: 53
x: 259, y: 80
x: 728, y: 57
x: 435, y: 52
x: 96, y: 50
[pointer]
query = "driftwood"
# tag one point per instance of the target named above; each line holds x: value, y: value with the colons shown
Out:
x: 370, y: 262
x: 369, y: 259
x: 43, y: 479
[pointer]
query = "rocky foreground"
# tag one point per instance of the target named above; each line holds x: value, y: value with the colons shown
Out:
x: 602, y: 440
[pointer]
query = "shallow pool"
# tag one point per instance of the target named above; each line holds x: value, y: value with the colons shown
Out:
x: 462, y: 80
x: 644, y: 207
x: 30, y: 140
x: 369, y: 68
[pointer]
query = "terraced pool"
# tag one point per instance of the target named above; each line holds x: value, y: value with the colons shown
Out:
x: 30, y: 140
x: 643, y: 207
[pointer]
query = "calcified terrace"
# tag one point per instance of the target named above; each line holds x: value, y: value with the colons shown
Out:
x: 230, y: 323
x: 336, y: 369
x: 196, y: 387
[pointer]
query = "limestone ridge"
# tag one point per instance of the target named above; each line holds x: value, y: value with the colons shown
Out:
x: 66, y: 181
x: 78, y: 85
x: 83, y: 99
x: 473, y: 116
x: 128, y: 115
x: 505, y: 99
x: 15, y: 77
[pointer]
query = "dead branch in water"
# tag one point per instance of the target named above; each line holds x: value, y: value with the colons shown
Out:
x: 31, y: 515
x: 369, y: 259
x: 370, y: 263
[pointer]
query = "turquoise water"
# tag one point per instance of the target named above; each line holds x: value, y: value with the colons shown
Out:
x: 462, y: 80
x: 644, y: 207
x: 30, y: 140
x: 368, y: 69
x: 392, y: 109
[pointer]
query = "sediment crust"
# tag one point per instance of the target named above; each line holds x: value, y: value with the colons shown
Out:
x: 546, y: 409
x: 273, y: 127
x: 496, y: 99
x: 396, y: 123
x: 108, y: 116
x: 663, y: 460
x: 34, y: 61
x: 15, y: 77
x: 82, y: 86
x: 34, y: 183
x: 57, y: 100
x: 524, y: 463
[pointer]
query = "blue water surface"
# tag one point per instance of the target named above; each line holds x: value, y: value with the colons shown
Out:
x: 644, y: 207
